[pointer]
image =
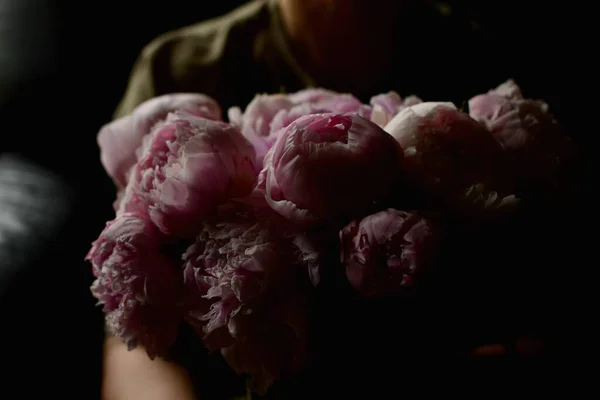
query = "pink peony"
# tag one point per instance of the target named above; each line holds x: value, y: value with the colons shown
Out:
x: 189, y: 166
x: 255, y: 121
x: 285, y: 117
x: 312, y: 95
x: 534, y: 144
x: 340, y: 104
x: 346, y: 102
x: 387, y: 105
x: 120, y: 139
x: 248, y: 299
x: 309, y: 255
x: 337, y: 104
x: 266, y: 115
x: 385, y: 252
x: 333, y: 102
x: 259, y: 113
x: 130, y: 201
x: 136, y: 284
x: 328, y: 165
x: 508, y: 89
x: 449, y: 155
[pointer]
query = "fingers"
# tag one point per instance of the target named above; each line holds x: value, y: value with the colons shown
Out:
x: 522, y: 347
x: 489, y: 350
x: 132, y: 375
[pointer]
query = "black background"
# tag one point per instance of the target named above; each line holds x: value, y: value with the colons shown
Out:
x: 63, y: 68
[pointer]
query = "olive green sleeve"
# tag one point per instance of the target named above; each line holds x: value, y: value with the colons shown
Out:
x: 214, y: 57
x: 141, y: 85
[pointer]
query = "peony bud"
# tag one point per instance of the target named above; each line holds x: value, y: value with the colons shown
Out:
x: 328, y: 165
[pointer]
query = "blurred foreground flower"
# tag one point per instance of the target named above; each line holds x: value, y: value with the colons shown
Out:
x: 137, y: 286
x: 120, y: 139
x: 187, y: 168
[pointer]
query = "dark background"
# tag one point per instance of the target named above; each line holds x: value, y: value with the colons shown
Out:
x: 63, y: 68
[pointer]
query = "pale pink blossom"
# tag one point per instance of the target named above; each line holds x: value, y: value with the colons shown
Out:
x: 119, y: 140
x: 322, y: 102
x: 508, y: 89
x: 136, y: 284
x: 265, y: 116
x: 312, y: 95
x: 285, y: 117
x: 189, y: 166
x: 449, y: 156
x: 255, y: 121
x: 325, y: 166
x: 259, y: 113
x: 535, y: 146
x: 333, y: 102
x: 385, y: 106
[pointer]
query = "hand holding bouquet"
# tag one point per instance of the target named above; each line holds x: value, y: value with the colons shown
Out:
x: 229, y: 226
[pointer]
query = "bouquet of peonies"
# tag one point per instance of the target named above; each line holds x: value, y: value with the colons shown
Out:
x: 229, y: 226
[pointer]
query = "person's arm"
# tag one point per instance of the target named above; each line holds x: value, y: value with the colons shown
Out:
x: 141, y: 85
x: 132, y: 375
x: 154, y: 71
